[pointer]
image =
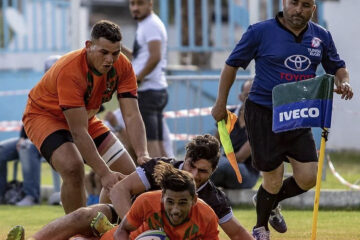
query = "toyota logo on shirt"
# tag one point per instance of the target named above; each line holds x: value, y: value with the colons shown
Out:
x: 297, y: 63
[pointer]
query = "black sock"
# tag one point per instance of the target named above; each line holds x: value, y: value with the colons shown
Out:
x: 264, y: 203
x: 289, y: 189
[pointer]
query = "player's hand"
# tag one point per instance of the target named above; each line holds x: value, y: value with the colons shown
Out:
x: 110, y: 179
x: 143, y: 159
x: 345, y: 90
x: 219, y: 112
x: 120, y: 176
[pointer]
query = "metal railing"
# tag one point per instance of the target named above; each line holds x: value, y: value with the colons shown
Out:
x: 194, y: 25
x: 35, y: 26
x: 191, y: 98
x: 215, y: 25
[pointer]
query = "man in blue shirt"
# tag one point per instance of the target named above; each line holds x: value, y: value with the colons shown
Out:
x: 287, y: 48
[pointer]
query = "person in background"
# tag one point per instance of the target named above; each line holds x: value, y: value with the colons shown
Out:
x: 93, y: 188
x: 115, y: 121
x: 149, y: 61
x: 224, y: 176
x: 30, y: 159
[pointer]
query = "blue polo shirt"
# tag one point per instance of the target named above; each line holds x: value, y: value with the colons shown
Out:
x: 281, y: 56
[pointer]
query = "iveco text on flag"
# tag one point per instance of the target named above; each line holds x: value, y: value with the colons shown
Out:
x: 307, y: 103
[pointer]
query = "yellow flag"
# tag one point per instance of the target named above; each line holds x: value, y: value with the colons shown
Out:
x: 224, y: 133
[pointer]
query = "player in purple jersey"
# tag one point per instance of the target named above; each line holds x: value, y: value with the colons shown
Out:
x: 287, y: 48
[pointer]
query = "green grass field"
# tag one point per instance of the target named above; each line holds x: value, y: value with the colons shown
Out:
x: 332, y: 225
x: 346, y: 164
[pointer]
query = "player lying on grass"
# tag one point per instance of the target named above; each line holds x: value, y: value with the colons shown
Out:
x: 175, y: 209
x: 201, y: 159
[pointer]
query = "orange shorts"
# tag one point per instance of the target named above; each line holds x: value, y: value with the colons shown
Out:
x: 109, y: 235
x: 38, y: 126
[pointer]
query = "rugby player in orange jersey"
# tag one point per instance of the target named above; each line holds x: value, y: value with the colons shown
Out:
x: 60, y: 114
x: 175, y: 209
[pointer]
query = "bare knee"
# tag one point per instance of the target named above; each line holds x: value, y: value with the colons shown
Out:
x: 87, y: 214
x: 84, y: 214
x: 74, y: 174
x: 272, y: 185
x: 307, y: 182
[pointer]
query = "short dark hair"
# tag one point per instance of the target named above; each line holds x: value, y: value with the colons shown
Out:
x: 106, y: 29
x: 170, y: 178
x: 204, y: 147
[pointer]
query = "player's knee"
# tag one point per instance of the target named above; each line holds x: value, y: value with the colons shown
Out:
x: 306, y: 180
x: 74, y: 174
x: 84, y: 214
x: 308, y: 183
x: 273, y: 185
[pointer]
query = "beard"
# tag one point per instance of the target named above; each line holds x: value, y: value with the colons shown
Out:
x: 296, y: 21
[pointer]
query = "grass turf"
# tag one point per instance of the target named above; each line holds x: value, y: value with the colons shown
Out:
x: 346, y: 164
x: 334, y: 225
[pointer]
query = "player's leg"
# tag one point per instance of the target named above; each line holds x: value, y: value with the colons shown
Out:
x: 267, y: 193
x: 267, y: 157
x: 304, y: 174
x: 115, y: 154
x: 117, y: 158
x: 304, y: 170
x: 77, y: 222
x: 55, y: 143
x: 60, y: 151
x: 111, y: 150
x: 303, y: 162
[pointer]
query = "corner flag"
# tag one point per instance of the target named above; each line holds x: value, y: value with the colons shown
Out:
x: 303, y: 104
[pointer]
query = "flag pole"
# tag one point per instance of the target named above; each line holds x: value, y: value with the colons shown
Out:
x: 318, y: 182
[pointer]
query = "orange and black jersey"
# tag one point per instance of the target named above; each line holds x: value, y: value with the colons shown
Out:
x: 207, y: 192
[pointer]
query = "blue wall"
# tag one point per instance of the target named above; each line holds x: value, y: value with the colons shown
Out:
x: 12, y: 107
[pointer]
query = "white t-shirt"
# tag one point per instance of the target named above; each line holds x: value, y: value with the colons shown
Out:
x: 167, y: 142
x: 149, y: 29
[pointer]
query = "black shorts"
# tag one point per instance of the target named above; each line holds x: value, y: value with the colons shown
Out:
x: 151, y: 105
x: 270, y: 149
x: 58, y: 138
x: 115, y: 219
